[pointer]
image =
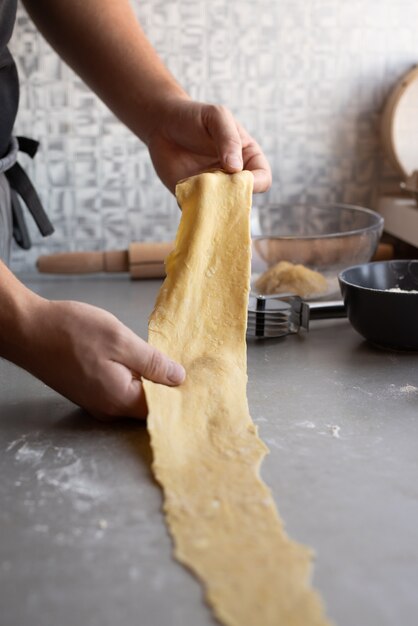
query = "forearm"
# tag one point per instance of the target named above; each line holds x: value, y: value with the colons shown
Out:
x: 17, y: 306
x: 104, y: 43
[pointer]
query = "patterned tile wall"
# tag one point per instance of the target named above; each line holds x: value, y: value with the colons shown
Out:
x: 307, y: 77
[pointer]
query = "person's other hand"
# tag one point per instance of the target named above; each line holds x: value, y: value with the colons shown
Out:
x: 89, y: 356
x: 191, y: 137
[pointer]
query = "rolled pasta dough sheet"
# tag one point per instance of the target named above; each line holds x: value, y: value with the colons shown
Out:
x: 206, y: 450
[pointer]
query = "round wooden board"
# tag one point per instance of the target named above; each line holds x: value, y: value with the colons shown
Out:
x: 399, y: 128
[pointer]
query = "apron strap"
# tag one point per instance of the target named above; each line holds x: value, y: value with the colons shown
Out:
x: 20, y: 230
x: 20, y: 184
x: 27, y: 145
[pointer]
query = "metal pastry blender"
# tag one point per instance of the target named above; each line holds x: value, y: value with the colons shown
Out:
x: 285, y: 314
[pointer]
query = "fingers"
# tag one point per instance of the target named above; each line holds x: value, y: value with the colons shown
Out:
x: 236, y: 148
x: 128, y: 393
x: 135, y: 400
x: 221, y: 126
x: 122, y: 397
x: 123, y: 393
x: 260, y: 169
x: 132, y: 359
x: 255, y: 161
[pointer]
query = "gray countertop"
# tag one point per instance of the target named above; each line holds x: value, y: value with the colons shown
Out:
x: 83, y: 539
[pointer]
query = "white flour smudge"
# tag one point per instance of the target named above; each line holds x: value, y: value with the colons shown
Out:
x: 332, y: 429
x: 335, y: 430
x: 29, y: 454
x: 365, y: 391
x: 399, y: 290
x: 41, y: 528
x: 59, y: 468
x: 272, y: 443
x: 70, y: 478
x: 397, y: 392
x: 306, y: 424
x: 409, y: 389
x: 16, y: 442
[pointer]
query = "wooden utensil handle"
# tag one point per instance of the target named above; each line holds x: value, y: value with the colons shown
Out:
x: 149, y: 252
x: 146, y: 259
x: 384, y: 252
x: 84, y: 262
x: 148, y: 270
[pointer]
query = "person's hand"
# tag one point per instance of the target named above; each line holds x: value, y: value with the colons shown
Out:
x: 89, y: 356
x: 190, y: 137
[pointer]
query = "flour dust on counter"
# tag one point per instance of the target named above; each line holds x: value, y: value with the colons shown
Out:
x: 65, y: 473
x: 206, y: 449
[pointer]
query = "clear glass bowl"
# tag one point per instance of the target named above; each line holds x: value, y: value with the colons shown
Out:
x: 323, y: 238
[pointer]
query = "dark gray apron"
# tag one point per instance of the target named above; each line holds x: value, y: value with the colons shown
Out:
x: 5, y: 220
x: 14, y: 181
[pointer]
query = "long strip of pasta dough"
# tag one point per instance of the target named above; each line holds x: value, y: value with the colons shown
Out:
x: 206, y: 449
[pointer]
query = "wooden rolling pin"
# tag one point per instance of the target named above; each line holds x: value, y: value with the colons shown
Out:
x: 141, y: 260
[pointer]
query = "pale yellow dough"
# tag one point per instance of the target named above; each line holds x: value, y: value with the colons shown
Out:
x: 206, y: 449
x: 285, y: 277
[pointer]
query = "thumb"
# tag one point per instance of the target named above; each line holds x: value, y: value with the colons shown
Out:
x: 147, y: 361
x: 222, y: 127
x: 160, y: 369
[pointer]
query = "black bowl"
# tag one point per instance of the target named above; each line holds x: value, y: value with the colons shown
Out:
x: 386, y: 318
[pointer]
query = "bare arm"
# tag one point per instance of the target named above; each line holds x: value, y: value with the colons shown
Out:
x: 103, y: 41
